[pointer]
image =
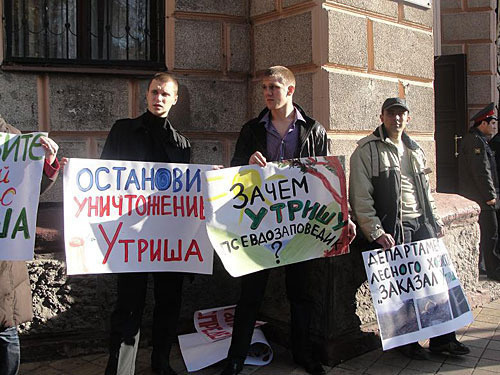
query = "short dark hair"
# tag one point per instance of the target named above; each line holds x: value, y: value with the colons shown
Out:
x: 281, y: 73
x: 163, y: 78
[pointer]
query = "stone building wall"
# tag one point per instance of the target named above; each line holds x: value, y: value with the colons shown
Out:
x: 469, y: 27
x: 376, y: 49
x: 348, y: 56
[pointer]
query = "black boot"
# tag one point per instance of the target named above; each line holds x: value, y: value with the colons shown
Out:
x: 112, y: 366
x: 161, y: 364
x: 233, y: 367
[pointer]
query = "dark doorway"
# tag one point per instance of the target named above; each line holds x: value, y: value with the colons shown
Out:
x: 450, y: 87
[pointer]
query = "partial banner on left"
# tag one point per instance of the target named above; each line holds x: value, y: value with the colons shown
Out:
x: 123, y: 216
x: 20, y: 175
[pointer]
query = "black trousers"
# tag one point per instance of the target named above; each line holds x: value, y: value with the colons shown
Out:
x: 127, y: 315
x: 253, y: 287
x: 418, y: 230
x: 488, y: 223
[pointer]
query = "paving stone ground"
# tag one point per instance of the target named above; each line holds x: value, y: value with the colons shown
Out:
x: 482, y: 336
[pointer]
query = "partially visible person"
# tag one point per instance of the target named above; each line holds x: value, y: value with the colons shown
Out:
x: 149, y: 137
x: 15, y: 291
x: 391, y: 199
x: 478, y: 181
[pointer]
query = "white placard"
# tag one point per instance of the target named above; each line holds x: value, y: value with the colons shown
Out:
x: 217, y: 323
x: 198, y: 353
x: 123, y: 216
x: 22, y: 159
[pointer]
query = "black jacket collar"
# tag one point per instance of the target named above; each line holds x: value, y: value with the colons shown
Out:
x: 260, y: 129
x: 170, y: 134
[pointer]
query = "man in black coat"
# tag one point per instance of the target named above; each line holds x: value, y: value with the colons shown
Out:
x: 281, y: 131
x: 478, y: 181
x: 149, y: 137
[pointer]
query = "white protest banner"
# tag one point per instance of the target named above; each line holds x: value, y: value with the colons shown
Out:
x: 416, y: 292
x: 211, y: 342
x: 198, y: 353
x: 217, y: 323
x: 20, y: 175
x: 122, y: 216
x: 285, y: 213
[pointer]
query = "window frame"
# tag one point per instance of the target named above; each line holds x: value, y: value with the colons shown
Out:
x: 84, y: 59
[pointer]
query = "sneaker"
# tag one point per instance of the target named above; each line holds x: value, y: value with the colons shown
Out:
x: 453, y: 347
x: 414, y: 351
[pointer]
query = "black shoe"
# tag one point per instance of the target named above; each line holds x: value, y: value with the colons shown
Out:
x: 495, y: 275
x: 453, y: 347
x: 312, y: 367
x: 414, y: 351
x: 160, y: 364
x: 165, y: 370
x: 232, y: 368
x: 112, y: 366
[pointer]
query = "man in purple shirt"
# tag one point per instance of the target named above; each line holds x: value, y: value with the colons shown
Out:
x: 281, y: 131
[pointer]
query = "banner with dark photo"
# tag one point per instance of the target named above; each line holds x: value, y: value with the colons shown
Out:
x: 416, y: 292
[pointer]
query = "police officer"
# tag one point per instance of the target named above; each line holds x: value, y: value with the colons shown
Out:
x: 478, y: 181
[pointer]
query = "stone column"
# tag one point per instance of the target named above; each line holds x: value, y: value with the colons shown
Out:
x: 469, y: 27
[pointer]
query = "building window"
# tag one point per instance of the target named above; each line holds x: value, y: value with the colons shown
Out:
x: 97, y: 32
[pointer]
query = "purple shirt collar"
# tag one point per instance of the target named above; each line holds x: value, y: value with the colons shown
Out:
x: 278, y: 148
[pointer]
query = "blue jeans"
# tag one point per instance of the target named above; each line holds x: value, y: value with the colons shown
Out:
x: 10, y: 353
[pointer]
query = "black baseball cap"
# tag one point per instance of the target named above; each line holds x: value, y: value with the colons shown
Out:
x: 395, y: 102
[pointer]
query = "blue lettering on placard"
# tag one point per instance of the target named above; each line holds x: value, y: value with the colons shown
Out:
x: 97, y: 184
x: 123, y: 178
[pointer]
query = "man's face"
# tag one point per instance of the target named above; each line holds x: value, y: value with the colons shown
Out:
x: 276, y: 94
x: 395, y: 120
x: 488, y: 128
x: 161, y: 96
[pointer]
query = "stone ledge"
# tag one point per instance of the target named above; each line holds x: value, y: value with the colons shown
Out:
x: 453, y: 207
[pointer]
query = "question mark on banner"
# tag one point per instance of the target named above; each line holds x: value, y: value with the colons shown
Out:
x: 276, y: 246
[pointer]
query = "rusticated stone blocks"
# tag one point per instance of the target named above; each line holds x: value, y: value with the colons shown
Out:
x: 18, y: 100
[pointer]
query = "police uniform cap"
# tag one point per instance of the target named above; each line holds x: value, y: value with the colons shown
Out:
x: 486, y: 113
